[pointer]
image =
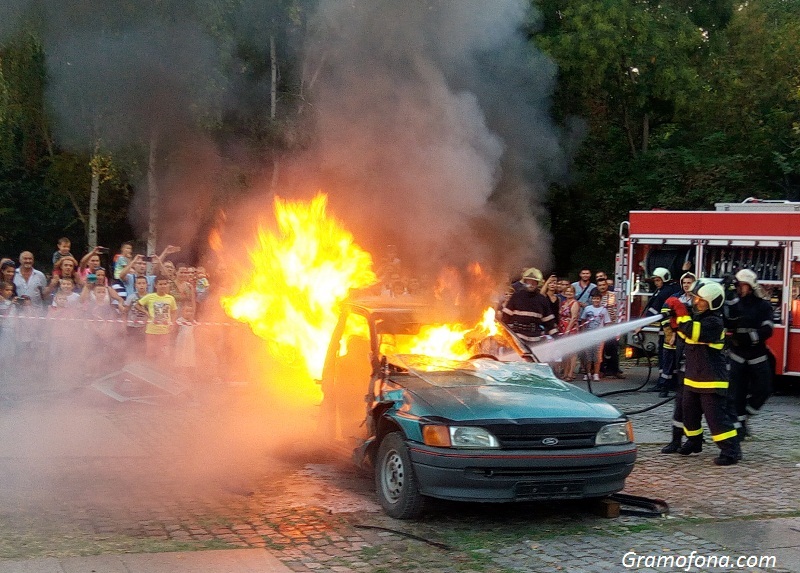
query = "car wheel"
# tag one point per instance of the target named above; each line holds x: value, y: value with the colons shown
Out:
x: 395, y: 481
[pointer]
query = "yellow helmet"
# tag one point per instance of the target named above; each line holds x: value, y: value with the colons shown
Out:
x: 533, y: 274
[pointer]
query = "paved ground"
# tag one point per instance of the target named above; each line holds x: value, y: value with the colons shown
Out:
x: 216, y: 467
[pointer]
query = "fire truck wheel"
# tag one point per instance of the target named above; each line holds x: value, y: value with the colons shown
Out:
x: 395, y: 481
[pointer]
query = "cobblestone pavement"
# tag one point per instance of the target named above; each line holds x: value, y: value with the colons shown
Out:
x: 183, y: 474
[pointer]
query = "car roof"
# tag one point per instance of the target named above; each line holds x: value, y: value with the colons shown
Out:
x: 384, y: 304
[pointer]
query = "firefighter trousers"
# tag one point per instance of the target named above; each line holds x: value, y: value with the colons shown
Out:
x: 714, y: 407
x: 677, y: 411
x: 666, y: 377
x: 750, y: 383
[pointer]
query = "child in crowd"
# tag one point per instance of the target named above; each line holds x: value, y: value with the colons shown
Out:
x: 161, y: 308
x: 136, y: 318
x: 201, y: 284
x: 7, y: 313
x: 66, y: 305
x: 65, y: 296
x: 594, y: 316
x: 185, y: 353
x: 122, y: 259
x: 64, y: 245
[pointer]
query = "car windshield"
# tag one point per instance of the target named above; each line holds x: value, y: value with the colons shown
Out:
x: 447, y: 342
x: 479, y: 372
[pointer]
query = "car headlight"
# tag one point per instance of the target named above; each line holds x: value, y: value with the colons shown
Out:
x: 619, y: 433
x: 458, y: 437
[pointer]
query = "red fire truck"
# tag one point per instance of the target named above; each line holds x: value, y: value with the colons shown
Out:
x: 763, y: 236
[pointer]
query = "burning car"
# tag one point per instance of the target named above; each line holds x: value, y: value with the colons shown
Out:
x: 483, y: 423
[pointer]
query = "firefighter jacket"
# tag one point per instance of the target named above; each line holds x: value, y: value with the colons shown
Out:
x: 750, y: 323
x: 656, y: 302
x: 704, y: 336
x: 529, y: 314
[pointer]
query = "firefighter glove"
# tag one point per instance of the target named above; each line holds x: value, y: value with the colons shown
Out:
x: 676, y: 307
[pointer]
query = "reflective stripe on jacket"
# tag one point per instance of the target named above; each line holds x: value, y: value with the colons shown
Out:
x: 704, y: 335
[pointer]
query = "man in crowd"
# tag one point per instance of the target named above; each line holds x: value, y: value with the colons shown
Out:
x: 29, y: 282
x: 138, y: 267
x: 528, y: 312
x: 583, y: 287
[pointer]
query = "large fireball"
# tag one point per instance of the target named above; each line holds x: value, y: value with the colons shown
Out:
x: 299, y: 276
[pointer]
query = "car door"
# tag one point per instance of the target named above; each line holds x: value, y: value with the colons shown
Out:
x: 350, y: 374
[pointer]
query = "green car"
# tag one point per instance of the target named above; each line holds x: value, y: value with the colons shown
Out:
x: 497, y: 427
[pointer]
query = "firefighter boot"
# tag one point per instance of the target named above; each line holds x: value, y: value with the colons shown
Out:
x: 730, y: 452
x: 693, y: 445
x: 675, y: 444
x: 744, y: 431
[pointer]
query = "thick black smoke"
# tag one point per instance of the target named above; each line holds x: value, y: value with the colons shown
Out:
x: 431, y: 117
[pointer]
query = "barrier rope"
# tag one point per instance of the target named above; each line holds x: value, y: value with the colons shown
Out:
x: 101, y: 320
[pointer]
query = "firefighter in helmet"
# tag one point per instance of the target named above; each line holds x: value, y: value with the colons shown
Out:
x: 665, y: 288
x: 749, y: 318
x: 705, y: 383
x: 528, y: 312
x: 670, y: 330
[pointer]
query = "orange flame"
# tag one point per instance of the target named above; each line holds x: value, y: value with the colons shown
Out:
x: 451, y: 341
x: 299, y: 277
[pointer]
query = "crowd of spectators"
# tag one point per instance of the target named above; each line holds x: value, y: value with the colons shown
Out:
x: 135, y: 306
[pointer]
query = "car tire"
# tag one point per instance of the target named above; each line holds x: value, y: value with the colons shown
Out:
x: 395, y: 481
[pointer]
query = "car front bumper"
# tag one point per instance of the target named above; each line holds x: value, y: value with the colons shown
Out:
x: 520, y: 475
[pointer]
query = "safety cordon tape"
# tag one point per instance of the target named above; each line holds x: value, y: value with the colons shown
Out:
x: 114, y: 320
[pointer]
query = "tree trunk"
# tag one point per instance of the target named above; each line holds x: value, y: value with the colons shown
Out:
x: 94, y: 195
x: 645, y: 132
x: 273, y: 103
x: 628, y: 130
x: 152, y: 196
x: 273, y: 92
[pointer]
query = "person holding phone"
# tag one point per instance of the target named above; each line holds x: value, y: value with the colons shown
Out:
x: 138, y: 267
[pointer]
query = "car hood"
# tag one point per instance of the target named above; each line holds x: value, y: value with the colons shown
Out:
x: 487, y: 389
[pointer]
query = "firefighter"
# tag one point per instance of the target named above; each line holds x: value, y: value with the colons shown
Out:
x: 528, y: 312
x: 665, y: 288
x: 705, y: 383
x: 687, y: 282
x: 749, y: 318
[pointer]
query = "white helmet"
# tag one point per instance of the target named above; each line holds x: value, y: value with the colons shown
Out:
x: 661, y: 273
x: 711, y: 292
x: 747, y: 277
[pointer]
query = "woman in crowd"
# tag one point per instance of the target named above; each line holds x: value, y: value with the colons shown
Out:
x: 7, y: 271
x: 65, y: 268
x: 568, y: 315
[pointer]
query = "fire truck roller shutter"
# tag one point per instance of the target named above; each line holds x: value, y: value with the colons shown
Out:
x: 671, y: 258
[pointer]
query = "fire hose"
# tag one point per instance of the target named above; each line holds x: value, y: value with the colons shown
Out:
x: 632, y: 390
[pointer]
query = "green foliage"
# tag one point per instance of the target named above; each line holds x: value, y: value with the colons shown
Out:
x: 718, y: 89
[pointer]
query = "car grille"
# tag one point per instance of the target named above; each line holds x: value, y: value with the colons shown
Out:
x: 549, y: 436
